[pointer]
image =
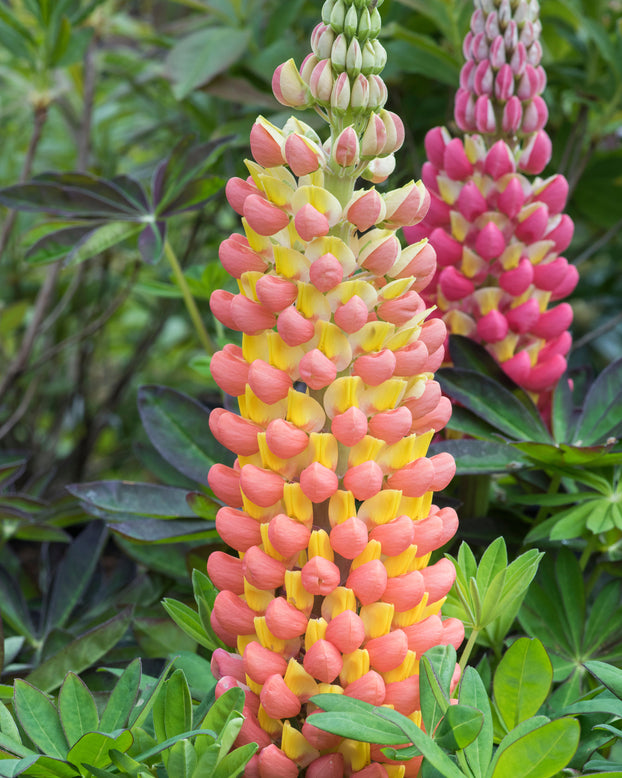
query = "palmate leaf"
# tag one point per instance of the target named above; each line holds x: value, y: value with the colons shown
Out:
x: 522, y: 681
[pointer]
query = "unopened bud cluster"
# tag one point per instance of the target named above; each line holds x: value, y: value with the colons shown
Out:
x: 502, y: 80
x: 498, y: 231
x: 329, y: 505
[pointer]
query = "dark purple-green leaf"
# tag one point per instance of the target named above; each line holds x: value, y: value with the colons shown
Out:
x: 193, y: 196
x: 157, y: 531
x: 178, y: 427
x: 493, y: 403
x: 131, y: 498
x: 601, y: 418
x: 480, y: 456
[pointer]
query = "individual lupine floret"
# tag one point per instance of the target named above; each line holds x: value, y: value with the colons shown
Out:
x: 499, y: 232
x: 329, y: 502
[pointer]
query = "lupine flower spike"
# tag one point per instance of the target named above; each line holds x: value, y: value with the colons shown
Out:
x: 329, y: 503
x: 497, y: 227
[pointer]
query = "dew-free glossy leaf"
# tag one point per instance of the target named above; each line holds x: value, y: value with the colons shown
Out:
x: 122, y: 698
x: 188, y: 620
x: 178, y: 427
x: 474, y: 457
x: 602, y: 409
x: 95, y: 747
x: 128, y: 497
x: 522, y: 681
x: 158, y: 531
x: 182, y: 760
x: 39, y: 719
x: 491, y: 402
x: 459, y: 727
x: 541, y: 753
x: 81, y: 653
x: 100, y: 240
x: 77, y: 709
x: 73, y: 575
x: 234, y: 762
x: 473, y: 692
x: 607, y: 674
x: 435, y: 673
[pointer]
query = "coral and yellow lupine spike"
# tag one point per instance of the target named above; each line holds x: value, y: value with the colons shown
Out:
x: 497, y: 227
x: 329, y: 504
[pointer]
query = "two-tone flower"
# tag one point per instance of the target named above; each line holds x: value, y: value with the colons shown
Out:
x: 329, y: 505
x: 498, y: 228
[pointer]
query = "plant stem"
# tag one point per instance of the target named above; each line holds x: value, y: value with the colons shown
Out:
x: 191, y: 305
x: 553, y: 489
x: 468, y: 649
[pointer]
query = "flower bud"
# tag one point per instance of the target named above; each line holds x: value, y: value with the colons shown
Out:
x: 341, y: 94
x: 345, y: 150
x: 288, y: 86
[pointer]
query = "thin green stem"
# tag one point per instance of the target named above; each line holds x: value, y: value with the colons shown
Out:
x: 468, y: 649
x: 191, y: 305
x: 553, y: 489
x: 587, y: 552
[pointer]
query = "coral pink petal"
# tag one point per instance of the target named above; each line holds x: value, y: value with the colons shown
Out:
x: 269, y: 383
x: 287, y: 535
x: 391, y: 425
x: 260, y: 663
x: 278, y: 700
x: 251, y: 317
x: 317, y: 370
x: 438, y: 579
x: 364, y: 480
x: 404, y: 591
x: 225, y: 483
x: 294, y: 328
x: 349, y: 538
x: 275, y: 293
x: 395, y: 536
x: 320, y: 576
x: 375, y: 368
x: 369, y: 688
x: 262, y: 487
x: 225, y: 572
x: 368, y: 581
x: 261, y: 570
x: 323, y: 661
x: 285, y: 439
x: 346, y: 631
x: 237, y: 529
x: 263, y: 217
x: 318, y: 482
x: 351, y: 316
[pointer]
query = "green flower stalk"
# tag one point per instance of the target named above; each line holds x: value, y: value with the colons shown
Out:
x: 329, y: 503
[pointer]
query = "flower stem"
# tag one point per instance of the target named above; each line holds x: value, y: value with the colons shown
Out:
x: 191, y: 305
x: 468, y: 649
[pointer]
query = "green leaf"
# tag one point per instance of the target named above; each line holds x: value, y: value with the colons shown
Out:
x: 39, y: 719
x: 178, y: 427
x: 50, y: 767
x: 73, y: 575
x: 199, y: 676
x: 77, y: 709
x: 494, y: 560
x: 13, y: 607
x: 436, y: 670
x: 8, y: 727
x: 177, y: 705
x: 491, y: 402
x: 100, y: 240
x: 234, y: 763
x: 481, y: 456
x: 144, y: 756
x: 609, y: 676
x: 522, y: 681
x: 182, y: 760
x: 459, y: 727
x: 473, y: 692
x: 140, y: 713
x: 81, y: 653
x: 158, y: 531
x: 189, y: 620
x: 194, y: 195
x: 95, y: 747
x: 417, y: 53
x: 222, y: 710
x: 360, y: 725
x: 122, y: 698
x: 541, y: 753
x: 570, y: 586
x: 132, y: 498
x: 197, y: 58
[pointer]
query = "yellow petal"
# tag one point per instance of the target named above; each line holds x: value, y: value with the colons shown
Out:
x: 316, y: 630
x: 272, y: 726
x: 377, y: 618
x: 297, y: 505
x: 384, y: 397
x: 538, y: 250
x: 296, y: 746
x: 323, y: 448
x: 334, y: 343
x: 281, y: 355
x: 402, y: 563
x: 355, y: 753
x: 406, y: 618
x: 296, y: 593
x: 266, y: 638
x: 373, y: 550
x: 381, y: 508
x: 342, y: 394
x: 290, y: 263
x: 341, y: 507
x: 365, y: 450
x: 355, y: 665
x: 339, y: 600
x: 319, y: 545
x: 299, y: 680
x: 511, y: 256
x: 371, y: 336
x: 459, y: 226
x: 472, y: 263
x: 255, y: 347
x: 311, y: 303
x: 408, y: 667
x: 305, y: 412
x: 433, y: 609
